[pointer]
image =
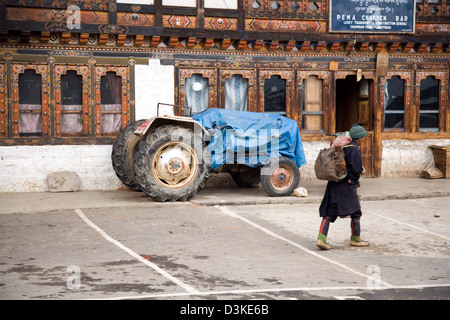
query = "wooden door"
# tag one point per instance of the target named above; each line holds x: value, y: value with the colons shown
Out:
x: 354, y: 105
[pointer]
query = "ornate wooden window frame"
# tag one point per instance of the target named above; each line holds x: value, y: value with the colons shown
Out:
x: 84, y: 72
x: 122, y: 72
x: 325, y: 77
x: 407, y: 76
x: 287, y: 75
x: 208, y: 73
x: 442, y: 76
x: 43, y: 70
x: 51, y: 68
x: 249, y: 74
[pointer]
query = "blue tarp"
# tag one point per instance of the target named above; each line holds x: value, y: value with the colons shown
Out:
x: 250, y: 138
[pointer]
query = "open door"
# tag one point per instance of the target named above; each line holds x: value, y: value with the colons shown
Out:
x: 353, y: 105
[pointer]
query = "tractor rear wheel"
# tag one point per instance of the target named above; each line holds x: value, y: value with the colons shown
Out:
x: 169, y: 166
x: 280, y: 177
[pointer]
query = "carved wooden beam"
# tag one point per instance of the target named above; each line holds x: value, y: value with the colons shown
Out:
x: 138, y: 40
x: 173, y: 42
x: 84, y: 37
x: 334, y: 46
x: 45, y: 36
x: 364, y: 47
x: 258, y: 44
x: 242, y: 44
x: 436, y: 47
x: 377, y: 47
x: 121, y: 39
x: 3, y: 35
x: 408, y: 47
x: 190, y: 42
x: 321, y: 45
x: 25, y: 36
x: 274, y: 45
x: 423, y: 47
x: 290, y: 45
x: 208, y: 43
x: 392, y: 47
x: 102, y: 39
x: 156, y: 40
x: 306, y: 46
x: 349, y: 46
x: 226, y: 43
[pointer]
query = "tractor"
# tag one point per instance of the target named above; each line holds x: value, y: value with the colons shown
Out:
x: 170, y: 158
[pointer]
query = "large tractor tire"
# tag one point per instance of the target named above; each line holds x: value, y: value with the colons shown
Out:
x: 280, y: 177
x: 122, y: 155
x: 169, y: 166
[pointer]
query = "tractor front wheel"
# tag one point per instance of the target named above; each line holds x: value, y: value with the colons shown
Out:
x: 122, y: 155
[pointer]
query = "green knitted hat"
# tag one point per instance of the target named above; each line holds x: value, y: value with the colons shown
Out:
x: 357, y: 132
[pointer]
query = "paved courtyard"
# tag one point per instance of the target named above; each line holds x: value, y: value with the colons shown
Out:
x: 177, y: 251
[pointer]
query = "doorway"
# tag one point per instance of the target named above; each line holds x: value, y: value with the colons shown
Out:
x: 353, y: 105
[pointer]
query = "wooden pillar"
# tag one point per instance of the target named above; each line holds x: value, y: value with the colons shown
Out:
x: 377, y: 147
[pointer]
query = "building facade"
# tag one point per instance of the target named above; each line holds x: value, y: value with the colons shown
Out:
x: 74, y: 73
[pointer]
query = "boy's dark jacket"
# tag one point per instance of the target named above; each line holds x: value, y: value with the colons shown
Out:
x: 343, y: 193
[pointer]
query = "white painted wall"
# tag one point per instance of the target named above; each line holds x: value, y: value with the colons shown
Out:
x: 25, y: 168
x: 221, y: 4
x: 154, y: 83
x: 135, y: 1
x: 178, y: 3
x: 407, y: 158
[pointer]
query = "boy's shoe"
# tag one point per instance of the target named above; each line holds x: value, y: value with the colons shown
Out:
x: 359, y: 243
x: 323, y: 245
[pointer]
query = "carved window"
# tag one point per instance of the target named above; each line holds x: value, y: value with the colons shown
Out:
x: 71, y: 100
x: 71, y: 103
x: 196, y: 93
x: 236, y: 93
x: 111, y: 99
x: 62, y: 103
x: 429, y: 104
x: 111, y: 102
x: 312, y: 107
x: 30, y: 103
x: 394, y: 103
x: 275, y: 95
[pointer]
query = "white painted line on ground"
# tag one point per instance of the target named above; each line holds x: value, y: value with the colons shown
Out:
x: 135, y: 255
x: 348, y: 298
x: 313, y: 253
x: 407, y: 224
x: 272, y: 290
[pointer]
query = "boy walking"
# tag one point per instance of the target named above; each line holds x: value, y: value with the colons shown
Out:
x: 340, y: 198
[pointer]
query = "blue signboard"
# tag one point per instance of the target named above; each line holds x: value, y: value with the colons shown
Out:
x: 372, y: 16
